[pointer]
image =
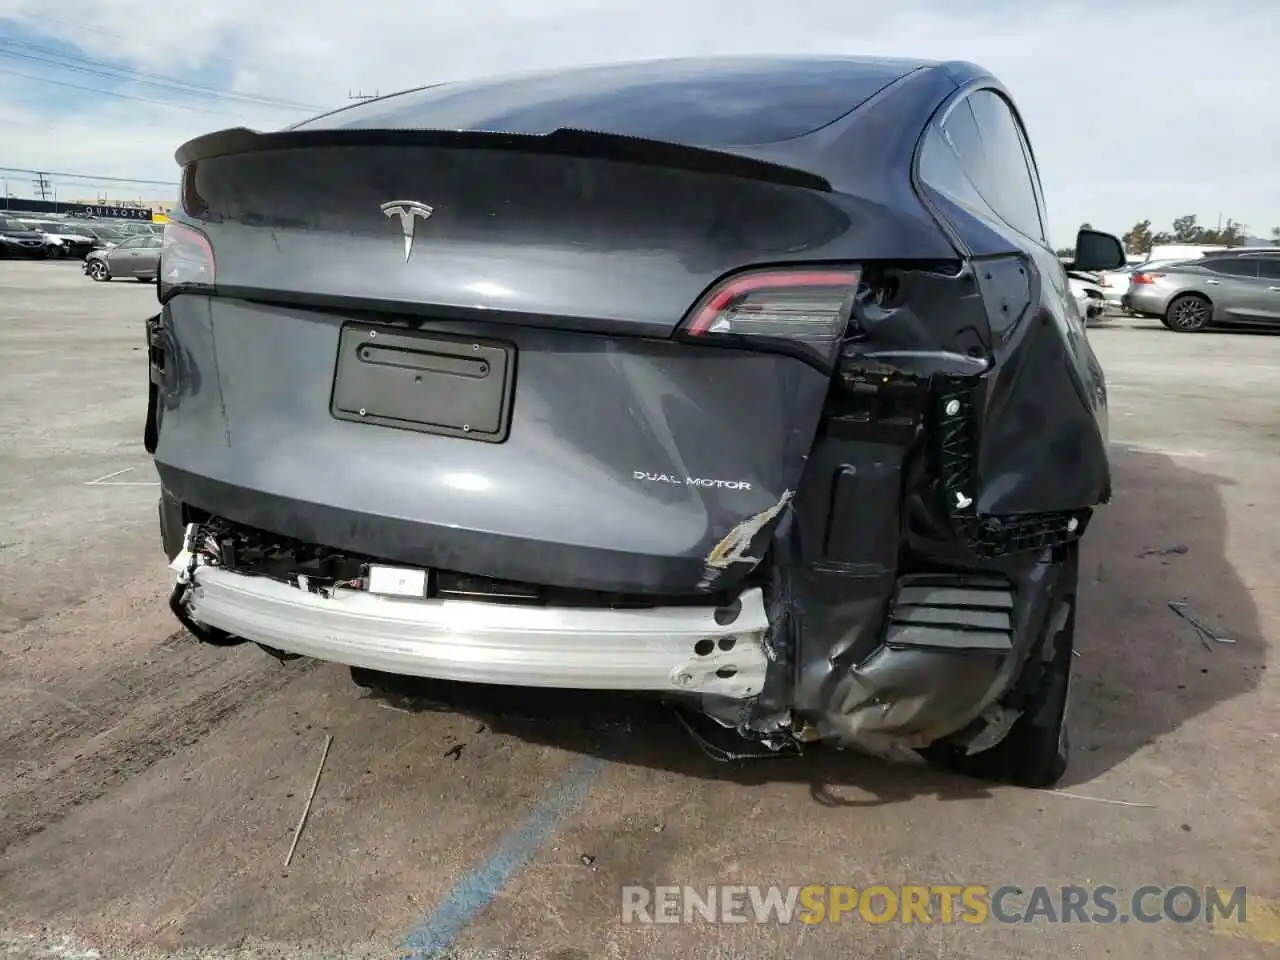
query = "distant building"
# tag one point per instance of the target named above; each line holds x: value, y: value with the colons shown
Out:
x: 155, y: 206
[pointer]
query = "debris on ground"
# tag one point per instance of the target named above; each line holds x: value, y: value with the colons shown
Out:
x: 306, y: 808
x: 455, y: 751
x: 1208, y: 636
x: 587, y: 859
x: 1081, y: 796
x: 1178, y: 548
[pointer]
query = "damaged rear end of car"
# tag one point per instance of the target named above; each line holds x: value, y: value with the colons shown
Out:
x: 770, y: 429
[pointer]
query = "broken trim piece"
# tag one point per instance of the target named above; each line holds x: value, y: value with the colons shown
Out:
x: 733, y: 548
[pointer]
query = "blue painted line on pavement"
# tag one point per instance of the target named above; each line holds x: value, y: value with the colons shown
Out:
x: 478, y: 888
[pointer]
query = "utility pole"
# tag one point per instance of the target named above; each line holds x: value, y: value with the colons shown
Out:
x: 41, y: 183
x: 362, y: 95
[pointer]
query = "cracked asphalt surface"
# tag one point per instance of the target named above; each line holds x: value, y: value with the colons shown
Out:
x: 149, y: 787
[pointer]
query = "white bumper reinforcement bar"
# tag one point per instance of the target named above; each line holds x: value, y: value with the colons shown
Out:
x: 669, y: 649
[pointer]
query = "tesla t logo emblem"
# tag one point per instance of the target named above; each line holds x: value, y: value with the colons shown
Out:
x: 406, y: 210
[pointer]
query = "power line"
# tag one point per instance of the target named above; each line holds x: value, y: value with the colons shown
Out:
x: 42, y: 18
x: 121, y: 96
x: 173, y: 86
x: 89, y: 177
x: 98, y: 67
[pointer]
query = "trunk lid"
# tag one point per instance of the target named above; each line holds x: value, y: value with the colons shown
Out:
x: 549, y: 238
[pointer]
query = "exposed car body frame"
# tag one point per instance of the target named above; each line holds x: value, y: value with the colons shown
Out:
x: 870, y: 549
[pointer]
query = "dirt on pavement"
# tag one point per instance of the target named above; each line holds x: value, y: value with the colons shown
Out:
x: 149, y: 787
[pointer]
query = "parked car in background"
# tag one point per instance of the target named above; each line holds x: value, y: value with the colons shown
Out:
x: 1115, y: 283
x: 140, y: 228
x: 19, y: 241
x: 1175, y: 252
x: 1228, y: 287
x: 136, y: 257
x: 106, y: 236
x: 66, y: 239
x: 1088, y: 295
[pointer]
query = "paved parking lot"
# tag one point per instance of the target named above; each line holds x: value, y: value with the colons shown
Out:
x: 149, y: 787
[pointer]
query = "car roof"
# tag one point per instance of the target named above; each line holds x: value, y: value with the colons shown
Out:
x: 705, y: 101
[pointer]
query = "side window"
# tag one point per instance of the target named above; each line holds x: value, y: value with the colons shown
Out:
x: 976, y: 158
x: 1232, y: 267
x: 1269, y: 268
x: 941, y: 169
x: 131, y: 244
x: 1005, y: 180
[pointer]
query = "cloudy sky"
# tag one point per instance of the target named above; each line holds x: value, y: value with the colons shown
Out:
x: 1137, y: 108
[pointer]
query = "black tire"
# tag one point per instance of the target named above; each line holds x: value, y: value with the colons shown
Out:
x: 1189, y: 313
x: 97, y: 270
x: 1036, y: 750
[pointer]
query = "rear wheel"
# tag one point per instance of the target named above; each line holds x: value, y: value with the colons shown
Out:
x: 97, y: 270
x: 1037, y: 747
x: 1189, y: 313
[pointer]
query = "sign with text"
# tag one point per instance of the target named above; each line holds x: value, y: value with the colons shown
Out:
x: 109, y: 212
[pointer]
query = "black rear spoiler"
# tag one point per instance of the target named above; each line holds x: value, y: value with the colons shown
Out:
x: 565, y: 142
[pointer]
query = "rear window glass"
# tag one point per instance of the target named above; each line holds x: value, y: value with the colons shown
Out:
x: 710, y: 103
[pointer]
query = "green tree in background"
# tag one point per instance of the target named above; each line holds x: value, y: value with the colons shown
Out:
x: 1232, y: 233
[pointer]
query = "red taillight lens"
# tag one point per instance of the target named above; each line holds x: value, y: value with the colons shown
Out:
x: 1140, y: 278
x: 804, y: 309
x: 186, y: 259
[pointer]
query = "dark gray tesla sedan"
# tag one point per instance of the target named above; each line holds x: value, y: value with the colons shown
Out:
x: 1224, y: 288
x: 754, y: 384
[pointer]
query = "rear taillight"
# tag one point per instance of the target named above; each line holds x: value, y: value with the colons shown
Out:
x: 186, y: 259
x: 1140, y: 278
x: 801, y: 310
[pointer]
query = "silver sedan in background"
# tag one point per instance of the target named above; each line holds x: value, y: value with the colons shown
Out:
x: 138, y: 257
x: 1236, y: 287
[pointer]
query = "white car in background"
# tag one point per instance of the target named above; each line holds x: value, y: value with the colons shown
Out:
x: 1088, y: 296
x: 1115, y: 283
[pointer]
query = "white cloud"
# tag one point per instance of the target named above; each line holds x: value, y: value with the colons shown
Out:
x: 1136, y: 108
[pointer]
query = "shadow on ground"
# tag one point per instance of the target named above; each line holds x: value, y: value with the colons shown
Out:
x: 1149, y: 325
x: 1142, y: 672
